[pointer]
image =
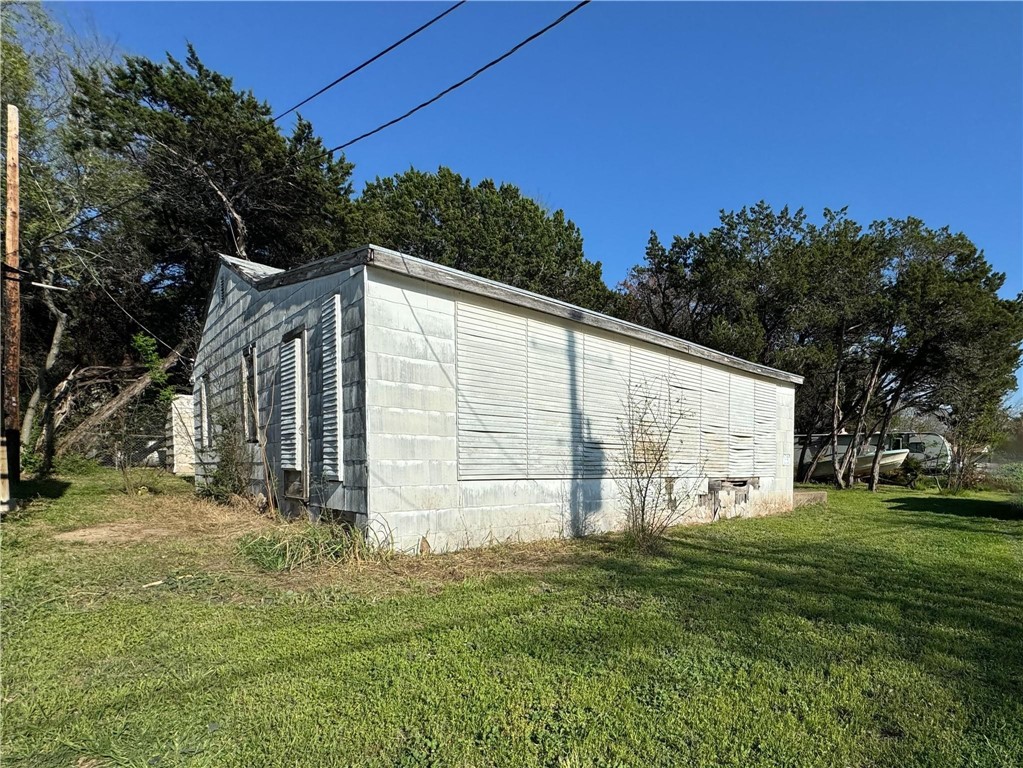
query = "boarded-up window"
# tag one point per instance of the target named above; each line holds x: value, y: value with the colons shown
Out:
x: 205, y: 432
x: 714, y: 413
x: 654, y: 412
x: 250, y: 401
x: 492, y: 385
x: 537, y: 398
x: 686, y: 381
x: 649, y: 376
x: 332, y: 404
x: 555, y: 394
x: 605, y: 373
x: 740, y: 426
x: 765, y: 425
x: 292, y: 410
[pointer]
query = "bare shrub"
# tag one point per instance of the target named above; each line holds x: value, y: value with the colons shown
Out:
x: 233, y: 471
x: 647, y: 466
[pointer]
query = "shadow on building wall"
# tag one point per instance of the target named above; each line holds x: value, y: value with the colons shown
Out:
x: 589, y: 463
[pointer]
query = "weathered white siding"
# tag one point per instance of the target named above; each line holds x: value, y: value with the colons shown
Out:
x: 487, y: 421
x: 239, y: 316
x: 410, y: 412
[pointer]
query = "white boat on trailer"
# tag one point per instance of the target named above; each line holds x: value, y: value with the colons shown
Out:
x: 891, y: 459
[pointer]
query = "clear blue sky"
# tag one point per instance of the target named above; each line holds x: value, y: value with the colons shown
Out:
x: 640, y: 116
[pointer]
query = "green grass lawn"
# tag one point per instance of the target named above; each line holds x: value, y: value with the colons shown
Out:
x: 883, y: 630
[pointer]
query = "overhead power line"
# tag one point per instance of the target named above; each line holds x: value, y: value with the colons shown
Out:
x: 366, y: 63
x: 462, y: 82
x: 389, y: 123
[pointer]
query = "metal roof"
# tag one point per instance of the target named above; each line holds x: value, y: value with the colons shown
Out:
x: 384, y: 258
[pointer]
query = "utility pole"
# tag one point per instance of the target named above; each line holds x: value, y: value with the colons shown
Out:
x: 10, y: 361
x: 6, y: 505
x: 5, y: 478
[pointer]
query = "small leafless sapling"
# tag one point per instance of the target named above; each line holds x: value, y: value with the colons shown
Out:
x: 657, y: 487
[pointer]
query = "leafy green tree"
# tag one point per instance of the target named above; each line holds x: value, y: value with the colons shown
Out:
x: 724, y: 289
x: 896, y: 316
x: 220, y: 176
x: 955, y: 344
x: 843, y: 328
x: 63, y: 242
x: 490, y: 230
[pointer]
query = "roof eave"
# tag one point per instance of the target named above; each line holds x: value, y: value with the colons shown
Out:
x: 394, y: 261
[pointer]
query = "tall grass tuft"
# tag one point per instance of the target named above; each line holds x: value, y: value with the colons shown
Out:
x: 296, y: 545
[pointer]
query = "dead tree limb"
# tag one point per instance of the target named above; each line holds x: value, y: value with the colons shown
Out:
x: 79, y: 434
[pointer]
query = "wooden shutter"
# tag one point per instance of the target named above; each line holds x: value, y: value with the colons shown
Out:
x: 250, y: 395
x: 332, y: 416
x: 291, y: 404
x: 204, y: 409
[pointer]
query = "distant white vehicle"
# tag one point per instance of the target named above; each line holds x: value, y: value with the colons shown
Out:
x: 891, y: 459
x: 929, y: 448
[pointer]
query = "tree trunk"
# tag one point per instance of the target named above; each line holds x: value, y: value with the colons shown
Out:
x: 849, y: 463
x: 235, y: 223
x: 802, y: 456
x: 80, y: 434
x: 875, y: 467
x: 816, y: 458
x: 836, y: 418
x: 43, y: 380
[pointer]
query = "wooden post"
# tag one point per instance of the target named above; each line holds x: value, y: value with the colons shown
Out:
x: 6, y: 505
x: 5, y: 478
x: 12, y: 304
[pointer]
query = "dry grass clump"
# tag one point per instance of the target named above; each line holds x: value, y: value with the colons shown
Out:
x: 138, y: 518
x: 495, y: 559
x: 289, y: 546
x: 402, y: 573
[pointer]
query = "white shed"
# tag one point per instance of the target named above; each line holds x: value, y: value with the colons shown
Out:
x: 421, y: 402
x: 181, y: 436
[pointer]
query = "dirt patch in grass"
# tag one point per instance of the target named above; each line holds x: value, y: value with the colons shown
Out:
x: 113, y: 533
x: 158, y: 517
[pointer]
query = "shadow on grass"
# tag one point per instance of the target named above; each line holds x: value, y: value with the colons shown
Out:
x: 962, y: 506
x: 43, y: 487
x: 26, y: 491
x: 726, y: 604
x: 804, y: 606
x: 703, y: 609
